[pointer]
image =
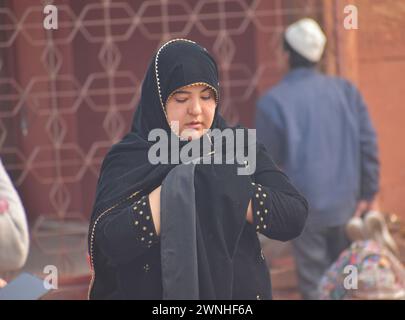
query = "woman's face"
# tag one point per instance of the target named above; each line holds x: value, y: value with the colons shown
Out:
x: 194, y: 108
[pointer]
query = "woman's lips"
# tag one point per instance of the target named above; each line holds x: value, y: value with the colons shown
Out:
x: 194, y: 125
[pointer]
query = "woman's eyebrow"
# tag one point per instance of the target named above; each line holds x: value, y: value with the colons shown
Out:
x: 206, y: 88
x: 188, y: 92
x: 182, y: 91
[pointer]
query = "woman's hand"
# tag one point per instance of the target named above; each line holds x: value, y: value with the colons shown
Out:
x: 154, y: 201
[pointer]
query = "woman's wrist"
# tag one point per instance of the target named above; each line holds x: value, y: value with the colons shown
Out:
x: 154, y: 202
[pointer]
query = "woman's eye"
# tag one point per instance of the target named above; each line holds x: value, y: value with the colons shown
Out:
x: 181, y: 100
x: 206, y: 97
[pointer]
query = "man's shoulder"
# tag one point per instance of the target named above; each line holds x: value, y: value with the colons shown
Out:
x: 338, y: 80
x: 265, y: 98
x: 272, y: 95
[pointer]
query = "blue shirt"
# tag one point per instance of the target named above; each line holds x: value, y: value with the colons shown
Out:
x: 318, y: 130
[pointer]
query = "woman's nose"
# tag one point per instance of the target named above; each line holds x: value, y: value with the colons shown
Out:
x: 195, y: 107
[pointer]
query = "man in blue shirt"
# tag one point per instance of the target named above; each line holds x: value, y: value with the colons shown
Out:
x: 319, y: 132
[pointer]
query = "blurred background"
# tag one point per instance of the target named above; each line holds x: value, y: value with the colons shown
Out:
x: 67, y: 95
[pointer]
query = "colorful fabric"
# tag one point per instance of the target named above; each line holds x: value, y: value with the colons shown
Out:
x: 375, y: 273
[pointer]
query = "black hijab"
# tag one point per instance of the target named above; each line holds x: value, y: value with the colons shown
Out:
x: 126, y: 168
x: 127, y: 174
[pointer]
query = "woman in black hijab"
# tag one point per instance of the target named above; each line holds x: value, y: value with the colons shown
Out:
x: 185, y: 231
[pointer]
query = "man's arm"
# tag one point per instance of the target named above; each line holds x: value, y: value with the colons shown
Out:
x: 370, y: 166
x: 369, y: 162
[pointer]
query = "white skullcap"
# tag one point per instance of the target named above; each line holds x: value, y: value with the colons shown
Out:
x: 306, y: 38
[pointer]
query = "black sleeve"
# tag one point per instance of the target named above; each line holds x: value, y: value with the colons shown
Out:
x: 126, y: 234
x: 279, y: 210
